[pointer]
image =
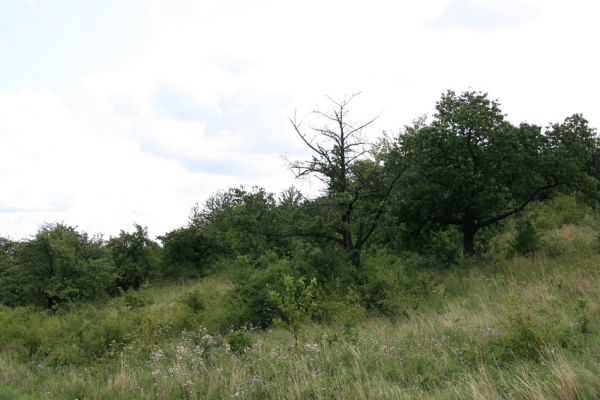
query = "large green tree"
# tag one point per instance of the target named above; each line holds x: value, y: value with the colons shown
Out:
x: 135, y: 256
x: 237, y: 222
x: 58, y: 265
x: 472, y: 168
x: 185, y: 252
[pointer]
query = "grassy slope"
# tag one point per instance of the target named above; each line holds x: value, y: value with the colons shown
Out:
x: 523, y: 328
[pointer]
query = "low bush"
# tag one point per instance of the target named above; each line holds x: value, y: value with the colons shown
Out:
x: 194, y: 301
x: 527, y: 238
x: 136, y: 299
x: 239, y: 341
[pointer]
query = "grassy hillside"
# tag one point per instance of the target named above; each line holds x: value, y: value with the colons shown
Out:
x: 493, y: 328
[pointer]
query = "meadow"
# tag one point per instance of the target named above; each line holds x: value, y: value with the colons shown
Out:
x: 497, y: 326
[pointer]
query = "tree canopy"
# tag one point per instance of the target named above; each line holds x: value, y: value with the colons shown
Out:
x: 471, y: 168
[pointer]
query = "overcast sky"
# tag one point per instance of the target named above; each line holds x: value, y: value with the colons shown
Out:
x: 121, y: 111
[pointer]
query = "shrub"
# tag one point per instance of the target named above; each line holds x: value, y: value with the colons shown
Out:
x: 249, y: 300
x: 135, y: 299
x: 295, y: 303
x: 524, y: 335
x: 527, y: 239
x: 342, y: 313
x: 390, y: 287
x: 59, y: 265
x: 185, y: 252
x: 135, y: 256
x: 518, y: 339
x: 193, y: 300
x: 560, y: 210
x: 239, y: 341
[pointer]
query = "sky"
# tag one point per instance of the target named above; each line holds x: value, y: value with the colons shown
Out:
x: 115, y: 112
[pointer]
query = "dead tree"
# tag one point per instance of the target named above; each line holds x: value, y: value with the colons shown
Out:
x: 356, y: 189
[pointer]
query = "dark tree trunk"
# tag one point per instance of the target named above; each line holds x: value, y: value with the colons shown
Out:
x: 469, y: 231
x: 355, y: 257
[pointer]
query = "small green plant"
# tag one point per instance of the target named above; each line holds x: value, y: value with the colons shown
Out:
x: 239, y: 341
x: 527, y: 239
x: 296, y: 303
x: 519, y: 337
x: 194, y: 301
x: 134, y: 299
x: 583, y: 321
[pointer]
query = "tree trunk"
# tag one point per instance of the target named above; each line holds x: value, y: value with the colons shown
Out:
x: 469, y: 231
x: 355, y: 257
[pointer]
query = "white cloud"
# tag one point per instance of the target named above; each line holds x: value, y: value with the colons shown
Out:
x: 201, y: 100
x: 486, y: 15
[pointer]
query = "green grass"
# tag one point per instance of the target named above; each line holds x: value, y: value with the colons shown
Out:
x: 518, y: 328
x: 8, y: 393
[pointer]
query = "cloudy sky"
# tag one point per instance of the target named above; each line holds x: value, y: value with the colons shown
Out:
x: 121, y: 111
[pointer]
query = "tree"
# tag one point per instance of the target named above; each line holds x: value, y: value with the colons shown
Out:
x: 296, y: 303
x: 135, y: 256
x: 471, y: 168
x: 237, y: 221
x: 356, y: 189
x: 58, y: 265
x: 185, y: 251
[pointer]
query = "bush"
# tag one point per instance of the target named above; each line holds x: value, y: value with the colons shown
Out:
x: 518, y: 339
x: 135, y: 299
x: 135, y: 257
x: 524, y: 335
x: 239, y: 341
x: 193, y: 300
x: 185, y: 252
x: 560, y: 210
x: 389, y: 287
x: 59, y: 265
x: 249, y: 300
x: 343, y: 313
x: 443, y: 247
x: 296, y: 303
x: 527, y: 239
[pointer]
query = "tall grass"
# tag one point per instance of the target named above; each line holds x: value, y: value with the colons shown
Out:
x: 526, y: 327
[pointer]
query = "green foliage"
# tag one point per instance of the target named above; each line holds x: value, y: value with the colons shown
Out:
x: 344, y: 313
x: 249, y: 300
x: 7, y: 393
x: 559, y: 210
x: 357, y: 186
x: 296, y: 303
x: 238, y: 222
x: 391, y: 288
x: 185, y: 252
x: 194, y: 301
x: 58, y: 265
x: 520, y: 337
x: 239, y: 341
x: 135, y: 256
x: 471, y: 168
x: 527, y: 238
x: 135, y: 299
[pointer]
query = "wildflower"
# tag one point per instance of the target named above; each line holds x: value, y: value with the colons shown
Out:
x: 156, y: 356
x: 207, y: 339
x: 176, y: 369
x: 311, y: 347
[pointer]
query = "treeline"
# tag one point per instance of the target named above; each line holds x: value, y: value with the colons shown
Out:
x: 424, y: 198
